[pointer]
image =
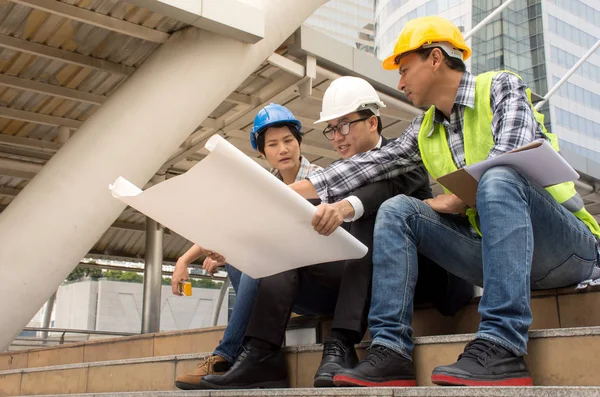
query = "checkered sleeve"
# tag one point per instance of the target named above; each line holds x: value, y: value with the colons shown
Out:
x: 513, y: 122
x: 339, y: 179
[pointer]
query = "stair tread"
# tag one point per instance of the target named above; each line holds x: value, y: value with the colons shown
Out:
x: 422, y: 391
x: 424, y: 340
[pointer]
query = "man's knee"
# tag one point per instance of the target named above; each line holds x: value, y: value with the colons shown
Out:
x: 497, y: 179
x: 500, y: 174
x: 398, y: 206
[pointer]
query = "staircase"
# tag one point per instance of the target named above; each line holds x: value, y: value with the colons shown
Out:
x: 564, y: 358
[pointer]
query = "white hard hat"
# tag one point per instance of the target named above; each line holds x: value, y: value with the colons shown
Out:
x: 346, y: 95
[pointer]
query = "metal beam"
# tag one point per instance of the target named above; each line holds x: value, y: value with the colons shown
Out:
x: 50, y: 89
x: 91, y: 265
x: 29, y: 143
x: 136, y: 227
x: 16, y: 173
x: 39, y: 118
x: 199, y: 137
x: 27, y: 153
x: 213, y: 123
x: 125, y: 257
x: 96, y: 19
x: 286, y: 64
x: 243, y: 99
x: 229, y: 18
x: 9, y: 191
x: 278, y: 89
x: 57, y: 54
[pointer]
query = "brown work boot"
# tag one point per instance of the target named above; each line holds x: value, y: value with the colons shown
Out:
x: 212, y: 365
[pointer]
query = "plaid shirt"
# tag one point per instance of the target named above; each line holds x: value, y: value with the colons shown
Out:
x: 513, y: 125
x: 306, y: 169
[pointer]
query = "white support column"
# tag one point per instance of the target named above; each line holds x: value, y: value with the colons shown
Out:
x: 63, y: 211
x: 487, y: 19
x: 48, y: 309
x: 567, y: 75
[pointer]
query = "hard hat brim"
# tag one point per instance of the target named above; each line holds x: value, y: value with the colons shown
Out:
x: 337, y: 116
x: 389, y: 63
x: 329, y: 118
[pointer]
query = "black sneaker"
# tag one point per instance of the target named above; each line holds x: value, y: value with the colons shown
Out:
x: 381, y: 367
x: 336, y: 356
x: 254, y: 368
x: 484, y: 363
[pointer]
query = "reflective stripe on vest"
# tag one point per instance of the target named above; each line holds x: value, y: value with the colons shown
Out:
x: 479, y: 141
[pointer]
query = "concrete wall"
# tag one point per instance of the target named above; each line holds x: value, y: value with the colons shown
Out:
x: 117, y: 306
x: 75, y: 305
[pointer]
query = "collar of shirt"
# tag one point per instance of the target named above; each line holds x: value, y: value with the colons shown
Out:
x: 306, y: 168
x: 379, y: 143
x: 465, y: 96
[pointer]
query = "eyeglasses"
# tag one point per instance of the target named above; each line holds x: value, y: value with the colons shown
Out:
x: 342, y: 128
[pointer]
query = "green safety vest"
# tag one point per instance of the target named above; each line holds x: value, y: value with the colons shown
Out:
x: 479, y: 141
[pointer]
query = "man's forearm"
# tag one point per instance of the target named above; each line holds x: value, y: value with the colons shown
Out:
x: 305, y: 188
x: 192, y: 254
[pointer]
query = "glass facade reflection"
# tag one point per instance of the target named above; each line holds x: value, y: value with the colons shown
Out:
x: 512, y: 41
x: 350, y: 21
x: 538, y: 39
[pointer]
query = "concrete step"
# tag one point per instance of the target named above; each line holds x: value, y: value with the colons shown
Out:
x: 149, y: 345
x: 537, y: 391
x: 563, y: 308
x: 559, y: 357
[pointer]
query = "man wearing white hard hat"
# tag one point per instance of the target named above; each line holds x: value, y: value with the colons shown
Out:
x: 351, y: 110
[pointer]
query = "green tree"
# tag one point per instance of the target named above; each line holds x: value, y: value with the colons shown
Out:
x: 197, y: 283
x: 204, y: 283
x: 129, y: 277
x: 80, y: 272
x: 76, y: 274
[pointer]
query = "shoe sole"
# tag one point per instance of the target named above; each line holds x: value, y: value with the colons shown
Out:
x: 344, y: 380
x: 186, y: 386
x: 323, y: 381
x: 448, y: 380
x: 278, y: 384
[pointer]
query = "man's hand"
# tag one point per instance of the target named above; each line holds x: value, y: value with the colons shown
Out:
x: 181, y: 272
x: 305, y: 188
x: 210, y: 265
x: 329, y: 216
x: 447, y: 204
x: 218, y: 258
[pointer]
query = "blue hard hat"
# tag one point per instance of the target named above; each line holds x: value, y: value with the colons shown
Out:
x: 268, y: 116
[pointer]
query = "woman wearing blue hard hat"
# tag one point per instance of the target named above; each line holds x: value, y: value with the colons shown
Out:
x: 276, y: 135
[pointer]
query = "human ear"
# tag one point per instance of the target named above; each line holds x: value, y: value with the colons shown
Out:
x: 436, y: 57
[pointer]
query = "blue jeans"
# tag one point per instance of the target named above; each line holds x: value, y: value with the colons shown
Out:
x: 529, y: 242
x: 245, y: 291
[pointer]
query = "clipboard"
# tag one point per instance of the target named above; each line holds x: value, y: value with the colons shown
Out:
x: 537, y: 160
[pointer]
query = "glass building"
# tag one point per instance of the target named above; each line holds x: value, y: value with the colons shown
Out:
x: 349, y: 21
x: 538, y: 39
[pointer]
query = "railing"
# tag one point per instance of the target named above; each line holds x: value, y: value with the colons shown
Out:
x: 61, y: 340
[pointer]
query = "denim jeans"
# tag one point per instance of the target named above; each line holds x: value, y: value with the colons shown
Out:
x: 529, y: 242
x: 245, y: 291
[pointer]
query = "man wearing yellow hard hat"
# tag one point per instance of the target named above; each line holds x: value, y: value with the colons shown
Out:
x: 519, y: 237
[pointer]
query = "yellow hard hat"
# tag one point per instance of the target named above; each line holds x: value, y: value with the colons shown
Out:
x: 426, y: 31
